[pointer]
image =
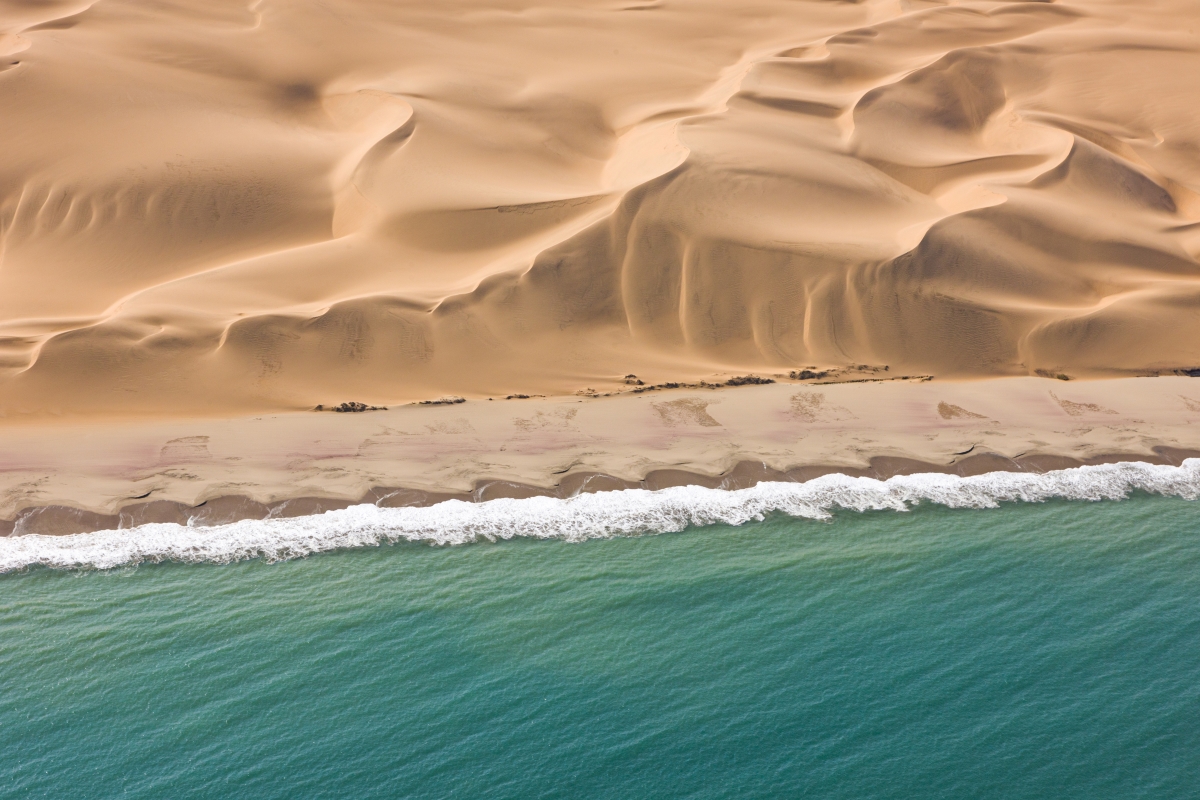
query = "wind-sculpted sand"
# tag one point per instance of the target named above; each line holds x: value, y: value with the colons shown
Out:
x: 226, y: 207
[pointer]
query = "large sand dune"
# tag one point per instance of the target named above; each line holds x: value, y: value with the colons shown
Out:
x: 219, y: 207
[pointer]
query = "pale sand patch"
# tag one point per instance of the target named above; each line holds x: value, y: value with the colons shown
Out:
x: 811, y: 406
x: 686, y: 411
x: 949, y: 411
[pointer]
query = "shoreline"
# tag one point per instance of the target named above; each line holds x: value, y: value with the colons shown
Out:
x: 88, y: 476
x: 61, y: 520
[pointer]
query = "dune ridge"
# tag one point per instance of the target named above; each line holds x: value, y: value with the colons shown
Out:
x: 228, y: 207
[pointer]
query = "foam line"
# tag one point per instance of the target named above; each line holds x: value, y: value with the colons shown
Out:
x: 590, y: 516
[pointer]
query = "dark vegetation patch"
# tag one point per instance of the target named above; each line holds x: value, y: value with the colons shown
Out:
x: 744, y: 380
x: 807, y: 374
x: 351, y: 407
x: 749, y: 380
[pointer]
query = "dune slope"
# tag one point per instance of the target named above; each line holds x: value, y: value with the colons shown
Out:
x: 222, y: 207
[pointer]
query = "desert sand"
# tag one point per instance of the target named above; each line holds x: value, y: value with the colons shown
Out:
x: 234, y: 207
x: 212, y: 210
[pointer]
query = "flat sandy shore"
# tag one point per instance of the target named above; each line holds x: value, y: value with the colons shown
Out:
x: 67, y: 478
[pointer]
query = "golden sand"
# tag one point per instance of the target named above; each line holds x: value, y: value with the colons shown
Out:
x: 228, y: 207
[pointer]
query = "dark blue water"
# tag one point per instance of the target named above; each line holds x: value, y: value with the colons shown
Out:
x: 1036, y: 651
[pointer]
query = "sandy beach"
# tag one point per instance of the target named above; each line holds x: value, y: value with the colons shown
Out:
x: 59, y: 478
x: 962, y: 233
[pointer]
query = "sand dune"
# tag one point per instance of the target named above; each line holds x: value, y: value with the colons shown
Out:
x: 225, y: 207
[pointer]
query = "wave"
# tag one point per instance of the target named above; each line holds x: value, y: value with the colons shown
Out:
x: 591, y: 516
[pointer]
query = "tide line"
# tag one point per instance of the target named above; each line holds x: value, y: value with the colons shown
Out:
x: 631, y: 512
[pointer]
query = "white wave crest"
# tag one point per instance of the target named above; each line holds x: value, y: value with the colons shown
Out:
x: 589, y: 516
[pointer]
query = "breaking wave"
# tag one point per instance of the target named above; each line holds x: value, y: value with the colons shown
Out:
x: 591, y: 516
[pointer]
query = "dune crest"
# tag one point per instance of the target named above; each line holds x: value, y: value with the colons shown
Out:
x: 222, y: 207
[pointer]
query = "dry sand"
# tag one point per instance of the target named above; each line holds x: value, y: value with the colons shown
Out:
x: 211, y: 209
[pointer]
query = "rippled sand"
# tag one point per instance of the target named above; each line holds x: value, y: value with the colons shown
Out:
x: 223, y: 207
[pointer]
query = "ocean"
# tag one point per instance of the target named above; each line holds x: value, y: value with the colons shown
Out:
x: 782, y: 642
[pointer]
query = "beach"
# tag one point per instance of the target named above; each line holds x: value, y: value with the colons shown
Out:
x: 75, y: 476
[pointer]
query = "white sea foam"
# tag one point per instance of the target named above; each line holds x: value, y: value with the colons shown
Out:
x: 591, y: 516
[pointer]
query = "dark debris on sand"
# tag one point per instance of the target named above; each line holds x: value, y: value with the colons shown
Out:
x: 351, y: 407
x: 748, y: 380
x: 744, y: 380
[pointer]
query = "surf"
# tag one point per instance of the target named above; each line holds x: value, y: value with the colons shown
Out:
x: 632, y: 512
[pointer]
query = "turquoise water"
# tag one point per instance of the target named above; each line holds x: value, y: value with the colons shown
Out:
x: 1035, y: 651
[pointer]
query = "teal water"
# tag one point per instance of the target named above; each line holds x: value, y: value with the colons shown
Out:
x: 1034, y: 651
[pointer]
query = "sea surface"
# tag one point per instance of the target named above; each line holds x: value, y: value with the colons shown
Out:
x: 1035, y: 650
